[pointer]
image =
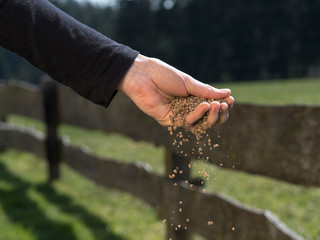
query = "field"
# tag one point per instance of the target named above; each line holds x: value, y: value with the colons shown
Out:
x: 75, y: 208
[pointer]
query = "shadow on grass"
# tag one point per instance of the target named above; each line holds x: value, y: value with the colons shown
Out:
x: 20, y: 209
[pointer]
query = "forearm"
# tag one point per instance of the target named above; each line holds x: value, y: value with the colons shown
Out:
x: 70, y: 52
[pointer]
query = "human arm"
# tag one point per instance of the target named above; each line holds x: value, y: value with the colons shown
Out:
x: 70, y: 52
x: 95, y: 66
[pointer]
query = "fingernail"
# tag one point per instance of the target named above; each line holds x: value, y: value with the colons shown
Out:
x: 226, y: 90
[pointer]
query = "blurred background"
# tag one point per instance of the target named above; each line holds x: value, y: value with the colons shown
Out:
x: 267, y: 52
x: 212, y: 40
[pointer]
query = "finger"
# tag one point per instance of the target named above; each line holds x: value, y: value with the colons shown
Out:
x: 197, y: 113
x: 229, y: 100
x: 200, y: 89
x: 224, y: 114
x: 213, y: 115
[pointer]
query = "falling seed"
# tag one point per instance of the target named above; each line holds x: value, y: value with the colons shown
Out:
x: 204, y: 190
x: 210, y: 223
x: 172, y: 176
x: 180, y: 202
x: 180, y: 209
x: 187, y: 220
x: 179, y: 226
x: 233, y: 228
x: 164, y: 220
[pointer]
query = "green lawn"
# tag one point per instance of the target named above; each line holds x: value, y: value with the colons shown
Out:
x: 75, y: 208
x: 295, y: 91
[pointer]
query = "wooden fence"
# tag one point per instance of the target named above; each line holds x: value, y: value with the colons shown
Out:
x: 278, y: 142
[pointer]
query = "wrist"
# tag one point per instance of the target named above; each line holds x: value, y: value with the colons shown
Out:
x: 137, y: 68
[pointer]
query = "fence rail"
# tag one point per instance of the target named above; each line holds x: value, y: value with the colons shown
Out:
x: 274, y: 141
x: 278, y: 142
x: 160, y: 192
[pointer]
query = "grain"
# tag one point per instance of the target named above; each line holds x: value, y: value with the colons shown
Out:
x: 182, y: 106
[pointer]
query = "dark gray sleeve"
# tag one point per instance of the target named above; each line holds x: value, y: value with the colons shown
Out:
x: 70, y: 52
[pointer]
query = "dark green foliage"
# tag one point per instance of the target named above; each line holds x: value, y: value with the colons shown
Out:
x: 213, y: 40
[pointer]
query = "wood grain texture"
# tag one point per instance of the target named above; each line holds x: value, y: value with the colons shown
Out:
x: 274, y: 141
x: 23, y: 139
x: 17, y: 97
x: 279, y: 142
x: 200, y: 208
x: 161, y: 193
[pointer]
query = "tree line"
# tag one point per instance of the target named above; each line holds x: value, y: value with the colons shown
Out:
x: 213, y: 40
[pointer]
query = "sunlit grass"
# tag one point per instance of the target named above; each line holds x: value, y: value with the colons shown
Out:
x: 294, y: 91
x: 71, y: 208
x: 128, y: 217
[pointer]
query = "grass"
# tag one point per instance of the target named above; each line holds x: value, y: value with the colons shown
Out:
x: 75, y: 208
x: 71, y: 208
x: 278, y: 92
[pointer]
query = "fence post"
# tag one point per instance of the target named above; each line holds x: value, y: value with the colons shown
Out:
x: 50, y: 104
x: 2, y: 119
x: 175, y: 161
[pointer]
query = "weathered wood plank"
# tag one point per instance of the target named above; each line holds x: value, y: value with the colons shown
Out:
x: 21, y: 138
x: 122, y: 116
x: 165, y: 197
x: 278, y: 142
x: 159, y: 192
x: 21, y: 98
x: 175, y: 164
x: 50, y: 105
x: 218, y: 217
x: 129, y: 177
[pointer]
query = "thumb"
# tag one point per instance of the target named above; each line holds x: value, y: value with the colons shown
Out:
x: 200, y: 89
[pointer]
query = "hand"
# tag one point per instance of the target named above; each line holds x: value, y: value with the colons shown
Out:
x: 151, y: 83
